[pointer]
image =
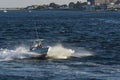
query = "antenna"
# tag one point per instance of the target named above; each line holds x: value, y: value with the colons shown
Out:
x: 36, y: 31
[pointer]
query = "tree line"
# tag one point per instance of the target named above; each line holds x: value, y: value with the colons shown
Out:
x: 71, y: 5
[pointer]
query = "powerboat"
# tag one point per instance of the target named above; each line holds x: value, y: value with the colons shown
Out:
x: 38, y: 48
x: 5, y: 11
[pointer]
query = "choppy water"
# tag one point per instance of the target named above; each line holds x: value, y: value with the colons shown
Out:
x: 92, y: 38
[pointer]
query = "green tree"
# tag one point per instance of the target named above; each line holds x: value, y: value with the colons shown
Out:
x: 53, y: 5
x: 71, y: 5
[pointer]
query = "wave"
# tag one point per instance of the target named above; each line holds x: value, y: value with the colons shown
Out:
x: 18, y: 53
x: 82, y: 53
x: 59, y: 52
x: 54, y: 52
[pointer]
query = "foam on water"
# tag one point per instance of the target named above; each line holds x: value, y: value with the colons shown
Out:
x: 54, y: 52
x: 59, y: 52
x: 18, y: 53
x: 83, y: 53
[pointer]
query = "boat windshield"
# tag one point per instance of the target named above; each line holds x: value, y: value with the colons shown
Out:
x: 37, y: 43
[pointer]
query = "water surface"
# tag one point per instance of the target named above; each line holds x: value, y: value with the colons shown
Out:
x: 93, y: 36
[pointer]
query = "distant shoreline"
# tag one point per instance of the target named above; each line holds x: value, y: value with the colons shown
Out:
x: 60, y: 10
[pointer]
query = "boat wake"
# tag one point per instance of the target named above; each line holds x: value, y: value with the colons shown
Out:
x: 81, y: 52
x: 18, y: 53
x: 59, y: 52
x: 54, y: 52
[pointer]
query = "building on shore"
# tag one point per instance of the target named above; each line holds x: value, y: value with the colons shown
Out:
x: 99, y: 2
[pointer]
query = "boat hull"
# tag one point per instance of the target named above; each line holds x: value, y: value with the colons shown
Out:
x: 41, y: 51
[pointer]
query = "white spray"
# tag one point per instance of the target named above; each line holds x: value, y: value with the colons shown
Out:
x: 55, y: 52
x: 18, y: 53
x: 59, y: 52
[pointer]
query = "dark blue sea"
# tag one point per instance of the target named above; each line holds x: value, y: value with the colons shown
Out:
x: 82, y: 45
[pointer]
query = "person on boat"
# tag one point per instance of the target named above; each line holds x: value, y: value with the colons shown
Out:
x: 36, y: 45
x: 39, y: 46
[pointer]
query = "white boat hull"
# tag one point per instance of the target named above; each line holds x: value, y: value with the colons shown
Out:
x: 41, y: 51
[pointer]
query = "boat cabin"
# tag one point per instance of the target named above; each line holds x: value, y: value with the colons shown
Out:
x: 36, y: 44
